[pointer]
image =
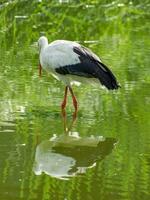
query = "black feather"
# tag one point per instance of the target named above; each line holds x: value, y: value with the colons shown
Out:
x: 90, y: 67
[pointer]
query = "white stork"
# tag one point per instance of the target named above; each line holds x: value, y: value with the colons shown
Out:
x: 70, y: 62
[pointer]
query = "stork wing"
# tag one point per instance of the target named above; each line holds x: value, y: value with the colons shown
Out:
x: 90, y: 66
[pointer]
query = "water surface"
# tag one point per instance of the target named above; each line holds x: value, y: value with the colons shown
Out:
x: 106, y: 154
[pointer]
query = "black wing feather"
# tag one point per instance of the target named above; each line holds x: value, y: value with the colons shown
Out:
x: 90, y: 67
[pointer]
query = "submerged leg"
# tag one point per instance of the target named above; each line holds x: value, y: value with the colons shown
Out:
x: 75, y: 103
x: 67, y: 128
x: 63, y: 105
x: 64, y: 119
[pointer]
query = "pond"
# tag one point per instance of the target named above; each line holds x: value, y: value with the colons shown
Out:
x: 105, y: 153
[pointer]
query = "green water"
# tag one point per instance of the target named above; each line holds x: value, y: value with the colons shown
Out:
x: 106, y: 154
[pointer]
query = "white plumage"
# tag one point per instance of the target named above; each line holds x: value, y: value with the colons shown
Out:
x: 58, y: 53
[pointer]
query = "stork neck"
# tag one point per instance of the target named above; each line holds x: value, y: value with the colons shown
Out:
x: 43, y: 46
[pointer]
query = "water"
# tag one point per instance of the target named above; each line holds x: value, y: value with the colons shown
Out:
x: 106, y: 152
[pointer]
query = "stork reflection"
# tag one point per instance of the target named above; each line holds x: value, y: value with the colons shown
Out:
x: 67, y: 155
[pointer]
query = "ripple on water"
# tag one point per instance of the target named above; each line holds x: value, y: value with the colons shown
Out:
x: 7, y: 127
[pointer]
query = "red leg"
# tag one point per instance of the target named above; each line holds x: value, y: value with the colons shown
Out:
x: 40, y: 70
x: 63, y: 105
x: 75, y: 103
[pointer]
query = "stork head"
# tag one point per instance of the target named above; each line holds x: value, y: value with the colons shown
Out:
x: 42, y: 42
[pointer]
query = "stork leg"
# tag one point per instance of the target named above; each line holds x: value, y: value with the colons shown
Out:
x: 63, y: 105
x: 75, y: 103
x: 40, y: 70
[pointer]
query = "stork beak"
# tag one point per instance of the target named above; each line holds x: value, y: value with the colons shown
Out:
x: 40, y: 70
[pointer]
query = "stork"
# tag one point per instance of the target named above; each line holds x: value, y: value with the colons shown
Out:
x: 71, y: 62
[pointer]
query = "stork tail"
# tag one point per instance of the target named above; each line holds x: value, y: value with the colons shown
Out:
x: 106, y: 77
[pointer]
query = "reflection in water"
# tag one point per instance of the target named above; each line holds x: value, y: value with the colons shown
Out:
x: 68, y: 127
x: 69, y: 154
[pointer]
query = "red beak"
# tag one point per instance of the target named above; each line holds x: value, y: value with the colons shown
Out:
x: 40, y: 70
